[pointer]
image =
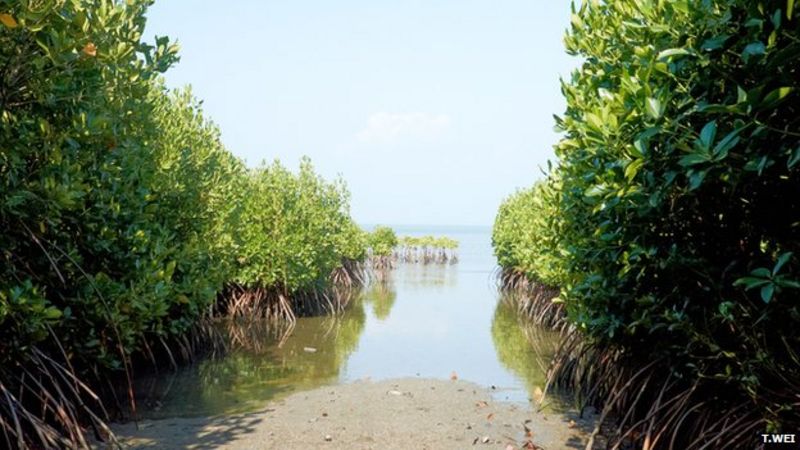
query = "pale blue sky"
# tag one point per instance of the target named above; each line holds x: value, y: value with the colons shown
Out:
x: 432, y: 111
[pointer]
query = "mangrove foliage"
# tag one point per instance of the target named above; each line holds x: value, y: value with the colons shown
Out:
x: 426, y: 250
x: 386, y: 248
x: 126, y: 221
x: 670, y: 220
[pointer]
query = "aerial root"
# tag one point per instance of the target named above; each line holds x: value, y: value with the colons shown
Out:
x: 647, y: 405
x: 44, y: 404
x: 532, y: 299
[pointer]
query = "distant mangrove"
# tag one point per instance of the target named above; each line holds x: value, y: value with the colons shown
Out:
x: 386, y: 249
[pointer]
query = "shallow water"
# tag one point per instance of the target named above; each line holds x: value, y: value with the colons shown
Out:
x: 424, y: 321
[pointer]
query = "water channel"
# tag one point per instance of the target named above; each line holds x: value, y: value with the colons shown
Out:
x: 431, y: 321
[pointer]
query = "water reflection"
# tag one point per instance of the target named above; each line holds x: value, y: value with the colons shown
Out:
x: 525, y: 349
x: 427, y: 277
x: 417, y: 321
x: 381, y: 295
x: 263, y: 363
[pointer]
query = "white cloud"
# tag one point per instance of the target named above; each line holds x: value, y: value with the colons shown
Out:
x: 390, y: 127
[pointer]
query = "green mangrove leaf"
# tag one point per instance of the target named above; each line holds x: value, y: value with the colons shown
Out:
x: 715, y: 42
x: 767, y: 292
x: 750, y: 282
x: 694, y: 159
x: 775, y: 97
x: 782, y: 260
x: 794, y: 157
x: 753, y: 49
x: 707, y: 135
x: 654, y: 107
x: 673, y: 52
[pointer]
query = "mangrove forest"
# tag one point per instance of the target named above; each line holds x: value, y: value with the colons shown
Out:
x: 663, y: 241
x: 642, y: 292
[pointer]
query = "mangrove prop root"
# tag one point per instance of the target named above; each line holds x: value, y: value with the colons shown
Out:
x: 647, y: 405
x: 532, y: 299
x: 641, y: 404
x: 423, y: 254
x: 45, y: 405
x: 350, y: 274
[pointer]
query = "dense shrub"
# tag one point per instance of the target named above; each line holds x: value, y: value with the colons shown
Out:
x: 78, y: 177
x: 527, y: 223
x: 426, y: 250
x: 677, y: 199
x: 386, y: 248
x: 434, y: 242
x: 296, y: 229
x: 123, y: 215
x: 382, y: 240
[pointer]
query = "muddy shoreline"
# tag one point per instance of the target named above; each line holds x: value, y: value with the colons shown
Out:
x: 394, y: 414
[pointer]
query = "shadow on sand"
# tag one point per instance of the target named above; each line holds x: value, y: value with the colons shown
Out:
x: 192, y: 433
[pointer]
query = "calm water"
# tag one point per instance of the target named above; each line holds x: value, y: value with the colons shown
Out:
x: 423, y: 321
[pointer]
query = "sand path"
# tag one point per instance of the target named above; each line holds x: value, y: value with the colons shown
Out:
x: 394, y: 414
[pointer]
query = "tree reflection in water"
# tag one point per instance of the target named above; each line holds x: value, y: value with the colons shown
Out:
x: 526, y: 349
x: 425, y: 278
x: 381, y: 295
x: 263, y: 363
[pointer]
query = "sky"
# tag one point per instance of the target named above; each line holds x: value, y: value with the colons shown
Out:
x: 432, y: 111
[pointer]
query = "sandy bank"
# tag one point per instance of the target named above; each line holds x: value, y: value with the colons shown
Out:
x: 395, y: 414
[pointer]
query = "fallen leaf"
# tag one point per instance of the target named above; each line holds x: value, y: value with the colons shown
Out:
x: 528, y: 432
x: 328, y: 437
x: 510, y: 447
x: 485, y: 439
x: 90, y: 49
x: 475, y: 441
x: 481, y: 404
x: 454, y: 376
x: 572, y: 424
x: 309, y: 349
x: 8, y: 20
x: 528, y: 445
x: 490, y: 416
x: 395, y: 393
